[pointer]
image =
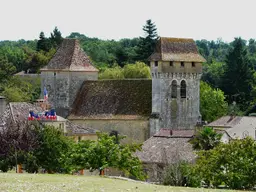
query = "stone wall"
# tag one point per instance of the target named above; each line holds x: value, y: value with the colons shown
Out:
x: 135, y: 130
x: 62, y: 87
x: 175, y: 113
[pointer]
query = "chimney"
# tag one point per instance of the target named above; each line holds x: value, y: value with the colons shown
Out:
x: 2, y: 105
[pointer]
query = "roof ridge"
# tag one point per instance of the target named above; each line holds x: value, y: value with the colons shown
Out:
x: 73, y: 52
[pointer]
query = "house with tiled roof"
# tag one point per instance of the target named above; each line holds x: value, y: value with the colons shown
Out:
x: 164, y: 148
x: 16, y: 113
x: 235, y: 127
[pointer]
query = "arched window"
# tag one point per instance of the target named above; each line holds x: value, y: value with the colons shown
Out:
x: 183, y: 93
x: 174, y: 89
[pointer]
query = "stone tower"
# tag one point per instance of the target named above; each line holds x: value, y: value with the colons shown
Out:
x: 64, y: 75
x: 176, y: 68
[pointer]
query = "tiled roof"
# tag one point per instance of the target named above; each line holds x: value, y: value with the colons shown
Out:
x: 17, y: 112
x: 181, y: 133
x: 226, y: 121
x: 113, y: 99
x: 164, y: 150
x: 70, y: 57
x: 176, y: 49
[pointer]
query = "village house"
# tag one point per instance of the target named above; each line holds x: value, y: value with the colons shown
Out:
x: 235, y: 127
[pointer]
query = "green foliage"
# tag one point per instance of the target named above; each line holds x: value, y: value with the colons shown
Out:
x: 6, y: 69
x: 52, y: 148
x: 106, y: 153
x: 43, y: 44
x: 181, y: 174
x: 147, y: 44
x: 238, y: 75
x: 46, y: 44
x: 212, y: 102
x: 213, y: 73
x: 232, y: 164
x: 206, y: 139
x: 112, y: 73
x: 56, y: 38
x: 107, y: 52
x: 21, y: 89
x: 173, y: 175
x: 137, y: 70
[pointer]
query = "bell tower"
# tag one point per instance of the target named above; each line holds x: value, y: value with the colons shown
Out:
x: 176, y: 68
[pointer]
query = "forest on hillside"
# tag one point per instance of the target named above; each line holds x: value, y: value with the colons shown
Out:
x: 229, y: 72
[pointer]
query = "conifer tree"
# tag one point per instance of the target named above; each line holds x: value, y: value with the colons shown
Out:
x: 43, y: 43
x: 147, y: 44
x: 56, y: 37
x: 238, y: 75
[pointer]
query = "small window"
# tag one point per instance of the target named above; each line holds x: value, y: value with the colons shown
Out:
x: 156, y: 63
x: 183, y: 91
x: 174, y: 89
x: 171, y: 63
x: 54, y: 74
x: 79, y: 138
x: 182, y: 64
x: 193, y: 64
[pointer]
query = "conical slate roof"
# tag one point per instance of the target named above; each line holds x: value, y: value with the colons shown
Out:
x: 176, y: 49
x: 70, y: 57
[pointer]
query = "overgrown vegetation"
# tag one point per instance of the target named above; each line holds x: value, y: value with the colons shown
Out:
x: 49, y: 149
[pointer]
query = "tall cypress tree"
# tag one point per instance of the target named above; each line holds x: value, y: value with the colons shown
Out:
x: 238, y: 75
x: 147, y: 44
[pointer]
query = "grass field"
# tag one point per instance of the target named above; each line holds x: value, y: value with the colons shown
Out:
x: 70, y: 183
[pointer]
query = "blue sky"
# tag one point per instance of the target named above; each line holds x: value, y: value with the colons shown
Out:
x: 116, y: 19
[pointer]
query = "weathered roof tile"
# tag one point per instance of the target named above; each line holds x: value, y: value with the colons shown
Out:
x: 176, y: 49
x: 113, y: 98
x: 70, y: 57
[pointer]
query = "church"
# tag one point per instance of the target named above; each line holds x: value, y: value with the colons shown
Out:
x: 137, y: 108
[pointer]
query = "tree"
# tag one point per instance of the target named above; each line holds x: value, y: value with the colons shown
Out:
x: 16, y: 138
x: 212, y: 102
x: 206, y: 139
x: 147, y: 44
x: 21, y: 89
x: 238, y: 75
x: 106, y: 152
x: 137, y: 70
x: 213, y: 73
x: 6, y: 69
x: 231, y: 164
x: 52, y: 148
x: 56, y: 38
x: 43, y: 43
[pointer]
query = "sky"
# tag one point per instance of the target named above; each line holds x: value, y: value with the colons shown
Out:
x: 117, y: 19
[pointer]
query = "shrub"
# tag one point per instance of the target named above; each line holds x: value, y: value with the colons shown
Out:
x: 232, y: 164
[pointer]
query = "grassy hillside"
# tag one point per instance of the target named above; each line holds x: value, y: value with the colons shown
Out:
x: 45, y: 182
